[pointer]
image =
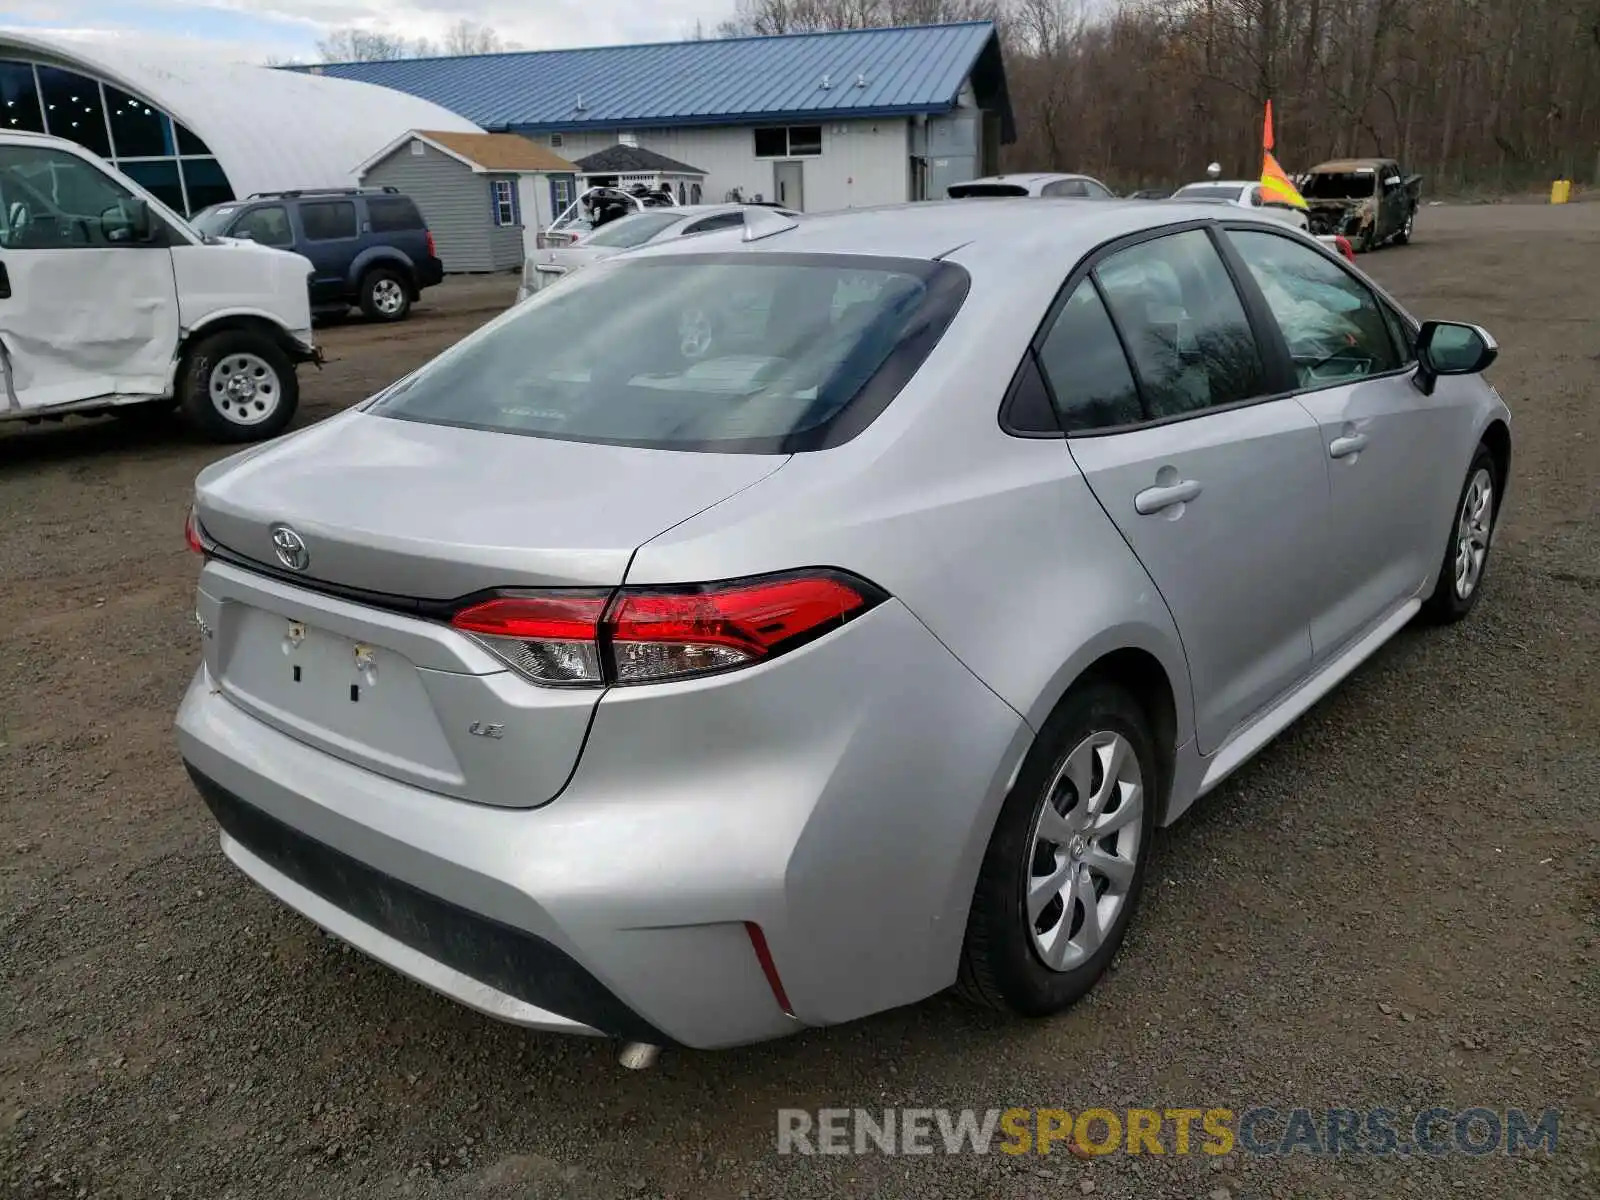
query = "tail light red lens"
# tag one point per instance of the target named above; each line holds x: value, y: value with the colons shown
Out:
x: 647, y: 635
x: 433, y: 251
x: 193, y: 535
x: 1345, y: 248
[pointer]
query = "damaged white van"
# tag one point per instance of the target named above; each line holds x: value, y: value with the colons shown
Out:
x: 109, y: 301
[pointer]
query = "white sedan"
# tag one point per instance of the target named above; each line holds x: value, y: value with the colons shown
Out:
x: 1242, y: 193
x: 548, y: 264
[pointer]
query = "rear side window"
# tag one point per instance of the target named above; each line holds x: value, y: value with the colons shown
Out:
x: 324, y: 220
x: 393, y: 214
x: 1065, y: 187
x: 751, y: 353
x: 729, y: 220
x: 1084, y: 365
x: 964, y: 191
x: 633, y: 231
x: 1183, y: 323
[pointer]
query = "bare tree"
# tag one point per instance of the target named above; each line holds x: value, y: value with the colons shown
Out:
x: 365, y: 45
x: 469, y: 37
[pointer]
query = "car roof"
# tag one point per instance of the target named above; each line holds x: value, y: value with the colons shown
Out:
x: 1029, y: 229
x: 1024, y: 177
x: 1227, y: 183
x: 1346, y: 165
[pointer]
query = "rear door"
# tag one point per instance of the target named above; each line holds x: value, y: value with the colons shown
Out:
x: 1219, y: 489
x: 1382, y: 441
x: 330, y: 238
x: 85, y: 311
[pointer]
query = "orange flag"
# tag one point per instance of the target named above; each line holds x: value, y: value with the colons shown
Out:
x: 1266, y: 130
x: 1275, y: 183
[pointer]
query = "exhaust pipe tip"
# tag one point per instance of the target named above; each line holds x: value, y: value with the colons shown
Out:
x: 639, y: 1056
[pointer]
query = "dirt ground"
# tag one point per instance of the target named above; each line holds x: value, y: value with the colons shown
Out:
x: 1397, y: 904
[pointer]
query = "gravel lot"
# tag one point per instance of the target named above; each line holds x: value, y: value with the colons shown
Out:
x: 1397, y: 904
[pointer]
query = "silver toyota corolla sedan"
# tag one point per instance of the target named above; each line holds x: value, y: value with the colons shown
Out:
x: 777, y: 626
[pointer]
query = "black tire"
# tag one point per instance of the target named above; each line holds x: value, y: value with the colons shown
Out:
x: 385, y: 295
x: 1002, y: 966
x: 1403, y: 238
x: 225, y: 416
x: 1446, y: 605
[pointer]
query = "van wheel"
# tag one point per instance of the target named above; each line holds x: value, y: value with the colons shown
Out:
x: 238, y: 386
x: 1066, y: 862
x: 385, y: 295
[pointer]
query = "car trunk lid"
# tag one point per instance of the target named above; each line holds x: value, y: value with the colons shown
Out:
x: 352, y: 653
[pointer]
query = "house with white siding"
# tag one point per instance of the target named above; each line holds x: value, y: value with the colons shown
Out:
x: 816, y: 121
x: 483, y: 195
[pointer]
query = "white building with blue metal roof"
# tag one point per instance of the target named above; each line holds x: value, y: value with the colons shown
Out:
x: 818, y: 121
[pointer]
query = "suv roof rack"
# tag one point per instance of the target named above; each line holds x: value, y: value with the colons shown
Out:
x: 349, y: 191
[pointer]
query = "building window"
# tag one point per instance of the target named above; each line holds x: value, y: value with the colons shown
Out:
x: 160, y: 178
x: 505, y: 201
x: 19, y: 98
x: 694, y: 193
x: 789, y: 141
x: 137, y: 130
x: 205, y: 183
x: 560, y: 194
x: 72, y: 109
x: 417, y: 148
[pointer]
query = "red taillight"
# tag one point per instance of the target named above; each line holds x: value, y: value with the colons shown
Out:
x: 194, y: 536
x: 432, y: 250
x: 646, y: 635
x: 552, y: 638
x: 1345, y: 248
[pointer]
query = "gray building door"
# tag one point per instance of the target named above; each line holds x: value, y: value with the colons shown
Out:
x: 788, y: 184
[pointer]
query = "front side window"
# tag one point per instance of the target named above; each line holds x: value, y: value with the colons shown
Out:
x: 1184, y: 325
x: 52, y: 200
x: 729, y: 220
x: 1095, y: 191
x: 267, y: 225
x: 735, y: 352
x: 326, y: 220
x: 505, y: 202
x: 1333, y: 325
x: 1084, y: 365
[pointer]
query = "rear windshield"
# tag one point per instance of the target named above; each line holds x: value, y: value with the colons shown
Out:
x: 966, y: 191
x: 1340, y: 185
x: 635, y: 230
x: 735, y: 352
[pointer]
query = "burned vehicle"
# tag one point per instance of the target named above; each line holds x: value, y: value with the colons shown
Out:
x: 1368, y: 200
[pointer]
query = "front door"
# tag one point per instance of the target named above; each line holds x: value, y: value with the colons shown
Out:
x: 788, y: 184
x: 85, y: 310
x: 1222, y: 495
x: 1381, y: 439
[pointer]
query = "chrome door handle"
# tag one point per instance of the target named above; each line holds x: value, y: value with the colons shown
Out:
x: 1153, y: 500
x: 1343, y: 447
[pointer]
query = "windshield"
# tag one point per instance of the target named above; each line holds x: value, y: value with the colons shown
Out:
x: 1206, y: 191
x: 1340, y: 185
x: 755, y: 353
x: 966, y: 191
x: 633, y: 231
x: 212, y: 221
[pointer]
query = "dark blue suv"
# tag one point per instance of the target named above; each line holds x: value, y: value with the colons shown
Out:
x: 368, y: 246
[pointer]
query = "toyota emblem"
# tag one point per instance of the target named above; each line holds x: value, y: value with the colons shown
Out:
x: 290, y: 548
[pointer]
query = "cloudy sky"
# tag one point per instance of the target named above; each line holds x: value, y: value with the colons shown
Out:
x: 256, y: 30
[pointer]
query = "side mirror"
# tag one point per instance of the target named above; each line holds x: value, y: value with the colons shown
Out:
x: 128, y: 222
x: 1452, y: 348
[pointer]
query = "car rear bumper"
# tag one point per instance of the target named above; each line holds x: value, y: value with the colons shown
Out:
x: 430, y: 272
x: 846, y: 824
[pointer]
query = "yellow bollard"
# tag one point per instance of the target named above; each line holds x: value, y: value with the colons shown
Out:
x: 1560, y: 191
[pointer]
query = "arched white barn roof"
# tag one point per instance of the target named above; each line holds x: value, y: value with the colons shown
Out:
x: 269, y: 129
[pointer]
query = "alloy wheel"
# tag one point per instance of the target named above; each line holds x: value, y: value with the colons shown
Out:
x: 1473, y: 527
x: 387, y: 296
x: 1084, y: 850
